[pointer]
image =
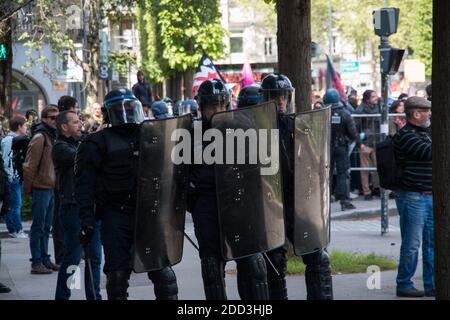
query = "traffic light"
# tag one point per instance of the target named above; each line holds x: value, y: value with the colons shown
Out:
x: 3, y: 51
x: 391, y: 59
x: 385, y: 21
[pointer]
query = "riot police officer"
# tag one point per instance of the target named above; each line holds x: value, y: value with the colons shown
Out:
x: 106, y: 186
x: 278, y: 88
x: 213, y: 97
x: 343, y: 130
x: 249, y: 96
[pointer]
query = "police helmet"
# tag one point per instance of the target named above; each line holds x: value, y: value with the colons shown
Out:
x: 189, y: 106
x: 331, y: 96
x: 120, y: 106
x: 278, y: 87
x: 160, y: 110
x: 212, y: 93
x: 249, y: 96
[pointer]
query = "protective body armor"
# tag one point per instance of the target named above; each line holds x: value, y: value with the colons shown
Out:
x: 117, y: 186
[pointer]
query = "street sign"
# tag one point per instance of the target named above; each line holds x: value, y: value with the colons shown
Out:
x: 350, y: 66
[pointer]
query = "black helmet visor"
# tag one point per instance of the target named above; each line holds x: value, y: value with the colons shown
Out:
x: 124, y: 111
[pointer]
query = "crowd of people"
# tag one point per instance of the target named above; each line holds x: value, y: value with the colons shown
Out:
x: 60, y: 160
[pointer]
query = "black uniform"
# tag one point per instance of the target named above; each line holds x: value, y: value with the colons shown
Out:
x: 343, y: 131
x: 106, y: 177
x: 318, y: 271
x: 202, y: 204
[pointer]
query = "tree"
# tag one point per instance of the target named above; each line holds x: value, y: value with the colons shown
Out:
x: 58, y: 23
x: 294, y: 42
x: 179, y: 32
x: 441, y: 146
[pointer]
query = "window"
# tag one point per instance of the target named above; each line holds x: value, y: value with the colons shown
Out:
x: 268, y: 46
x: 236, y: 44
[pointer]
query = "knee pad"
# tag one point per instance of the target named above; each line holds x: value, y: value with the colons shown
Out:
x: 252, y: 278
x: 117, y: 285
x: 165, y: 284
x: 213, y: 274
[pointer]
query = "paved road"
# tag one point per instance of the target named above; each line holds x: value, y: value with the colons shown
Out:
x: 356, y: 236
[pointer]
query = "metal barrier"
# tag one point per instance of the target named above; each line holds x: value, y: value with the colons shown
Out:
x: 370, y: 124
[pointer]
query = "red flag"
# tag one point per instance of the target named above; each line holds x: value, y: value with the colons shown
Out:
x: 206, y: 70
x: 334, y: 79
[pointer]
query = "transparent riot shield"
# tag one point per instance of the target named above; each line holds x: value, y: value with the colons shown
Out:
x: 248, y: 181
x: 312, y: 134
x: 161, y: 198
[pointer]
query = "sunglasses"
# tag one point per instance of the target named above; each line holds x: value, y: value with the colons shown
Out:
x: 51, y: 117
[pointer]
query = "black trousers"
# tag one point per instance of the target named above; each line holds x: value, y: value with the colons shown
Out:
x: 57, y: 232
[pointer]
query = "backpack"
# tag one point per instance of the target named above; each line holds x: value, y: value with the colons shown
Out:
x: 19, y: 149
x: 389, y: 171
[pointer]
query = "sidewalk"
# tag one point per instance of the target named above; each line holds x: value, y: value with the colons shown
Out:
x: 360, y: 236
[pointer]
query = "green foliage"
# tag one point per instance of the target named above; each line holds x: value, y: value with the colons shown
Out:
x: 345, y: 262
x: 122, y: 61
x: 151, y: 47
x: 177, y: 33
x: 416, y: 29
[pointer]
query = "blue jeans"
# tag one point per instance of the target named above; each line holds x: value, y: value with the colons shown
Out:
x: 71, y: 224
x: 13, y: 217
x: 416, y: 226
x: 42, y: 214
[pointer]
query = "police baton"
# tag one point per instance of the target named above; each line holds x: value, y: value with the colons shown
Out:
x: 191, y: 241
x: 87, y: 258
x: 275, y: 269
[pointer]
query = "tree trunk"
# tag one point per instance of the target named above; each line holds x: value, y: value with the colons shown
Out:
x: 188, y: 79
x: 6, y: 71
x: 93, y: 45
x: 441, y: 146
x: 294, y: 43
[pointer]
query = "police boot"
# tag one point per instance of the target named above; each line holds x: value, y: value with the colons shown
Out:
x: 252, y: 278
x: 165, y: 284
x: 347, y: 205
x: 318, y: 278
x: 117, y: 285
x: 213, y: 273
x: 276, y: 274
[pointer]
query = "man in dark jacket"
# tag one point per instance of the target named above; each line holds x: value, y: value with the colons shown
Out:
x: 142, y: 90
x: 414, y: 198
x: 63, y: 154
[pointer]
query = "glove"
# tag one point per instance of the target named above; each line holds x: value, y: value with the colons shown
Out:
x: 86, y: 234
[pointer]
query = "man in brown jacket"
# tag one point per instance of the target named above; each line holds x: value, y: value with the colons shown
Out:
x: 39, y: 182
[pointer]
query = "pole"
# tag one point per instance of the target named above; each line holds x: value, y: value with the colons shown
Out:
x: 384, y: 130
x: 330, y: 29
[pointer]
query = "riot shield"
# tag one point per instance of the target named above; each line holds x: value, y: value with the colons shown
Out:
x: 248, y: 183
x: 312, y: 134
x: 161, y: 197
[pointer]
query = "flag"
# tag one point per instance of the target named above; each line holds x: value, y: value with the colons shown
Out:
x: 247, y: 75
x: 205, y: 70
x: 333, y: 79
